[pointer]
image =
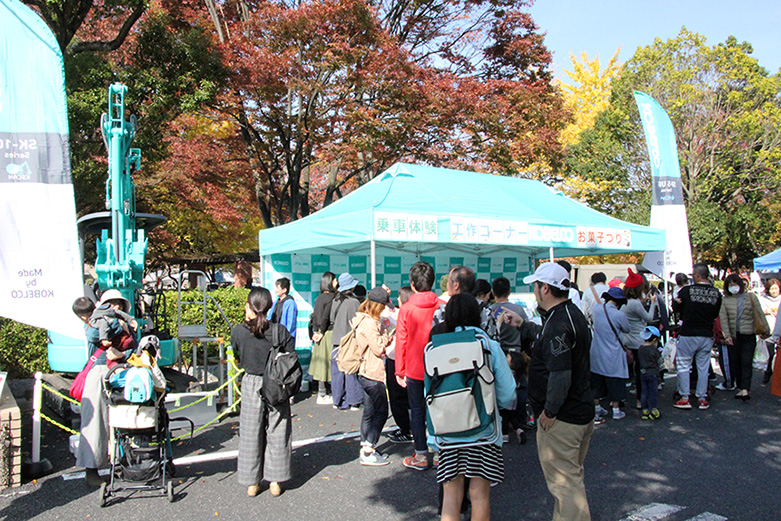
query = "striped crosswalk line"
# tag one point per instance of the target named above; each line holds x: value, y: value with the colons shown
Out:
x: 661, y: 511
x: 707, y: 516
x: 652, y: 512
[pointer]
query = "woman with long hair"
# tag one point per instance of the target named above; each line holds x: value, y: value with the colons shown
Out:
x: 737, y: 323
x: 482, y: 464
x: 265, y: 432
x: 371, y: 375
x: 322, y: 333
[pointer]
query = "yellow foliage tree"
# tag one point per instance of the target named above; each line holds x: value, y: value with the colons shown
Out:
x: 589, y: 93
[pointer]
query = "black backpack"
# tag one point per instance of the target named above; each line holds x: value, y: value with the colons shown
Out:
x: 283, y: 373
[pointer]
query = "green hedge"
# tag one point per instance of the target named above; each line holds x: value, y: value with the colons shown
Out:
x: 231, y: 300
x: 22, y: 349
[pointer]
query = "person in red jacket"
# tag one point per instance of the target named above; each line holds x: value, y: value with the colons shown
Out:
x: 412, y: 334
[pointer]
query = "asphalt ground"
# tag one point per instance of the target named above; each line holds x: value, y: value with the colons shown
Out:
x: 722, y: 463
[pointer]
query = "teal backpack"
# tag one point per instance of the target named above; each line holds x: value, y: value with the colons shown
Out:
x: 138, y: 385
x: 461, y: 408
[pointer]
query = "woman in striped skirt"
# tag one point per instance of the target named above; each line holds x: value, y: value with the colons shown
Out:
x: 265, y: 448
x: 482, y: 464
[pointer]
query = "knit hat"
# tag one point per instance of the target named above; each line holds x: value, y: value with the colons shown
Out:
x: 633, y: 280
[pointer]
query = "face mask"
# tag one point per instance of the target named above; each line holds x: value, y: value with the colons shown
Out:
x: 734, y: 289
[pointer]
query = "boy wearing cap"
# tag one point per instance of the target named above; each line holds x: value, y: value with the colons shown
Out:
x: 648, y: 360
x: 559, y: 389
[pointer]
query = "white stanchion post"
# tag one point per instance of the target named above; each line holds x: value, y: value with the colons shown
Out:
x: 373, y: 260
x: 37, y: 402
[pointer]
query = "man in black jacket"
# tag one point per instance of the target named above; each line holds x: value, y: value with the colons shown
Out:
x: 698, y: 306
x: 559, y: 389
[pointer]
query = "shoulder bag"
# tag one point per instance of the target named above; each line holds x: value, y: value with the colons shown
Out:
x: 77, y: 388
x: 761, y: 326
x: 630, y: 359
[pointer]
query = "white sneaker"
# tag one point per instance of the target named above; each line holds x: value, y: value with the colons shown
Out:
x: 617, y: 415
x: 600, y: 411
x: 325, y: 399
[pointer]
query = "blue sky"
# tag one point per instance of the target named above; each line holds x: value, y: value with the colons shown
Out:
x: 600, y: 26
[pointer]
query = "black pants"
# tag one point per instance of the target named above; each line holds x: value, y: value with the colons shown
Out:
x: 746, y: 345
x: 417, y: 405
x: 728, y: 361
x: 771, y: 355
x: 399, y: 402
x: 637, y: 375
x: 375, y: 410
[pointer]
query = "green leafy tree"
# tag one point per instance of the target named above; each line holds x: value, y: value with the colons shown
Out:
x: 725, y: 110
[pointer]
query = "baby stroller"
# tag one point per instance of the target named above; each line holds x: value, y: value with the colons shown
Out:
x: 139, y: 434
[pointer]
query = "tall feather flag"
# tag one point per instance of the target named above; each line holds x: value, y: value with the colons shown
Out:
x: 668, y: 211
x: 40, y: 263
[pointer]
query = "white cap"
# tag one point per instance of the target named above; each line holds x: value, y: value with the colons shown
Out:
x: 551, y: 274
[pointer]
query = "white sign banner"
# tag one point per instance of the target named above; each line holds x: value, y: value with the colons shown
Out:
x: 405, y: 227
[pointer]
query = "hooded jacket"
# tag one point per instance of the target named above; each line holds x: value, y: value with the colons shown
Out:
x: 412, y: 333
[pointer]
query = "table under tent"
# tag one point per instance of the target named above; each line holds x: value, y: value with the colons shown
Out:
x: 497, y: 225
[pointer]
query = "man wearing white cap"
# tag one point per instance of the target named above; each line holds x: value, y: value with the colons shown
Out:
x: 559, y: 389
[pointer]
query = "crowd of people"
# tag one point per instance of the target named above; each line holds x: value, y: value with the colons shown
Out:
x: 559, y: 373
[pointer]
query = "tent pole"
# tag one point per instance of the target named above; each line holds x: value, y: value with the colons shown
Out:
x: 551, y: 253
x: 373, y: 256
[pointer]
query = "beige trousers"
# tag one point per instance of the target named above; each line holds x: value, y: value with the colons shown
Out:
x: 562, y: 450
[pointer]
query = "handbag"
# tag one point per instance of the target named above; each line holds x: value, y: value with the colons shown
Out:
x: 282, y: 375
x: 761, y: 327
x: 77, y: 387
x: 630, y: 358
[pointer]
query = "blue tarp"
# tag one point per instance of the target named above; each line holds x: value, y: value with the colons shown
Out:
x: 771, y: 261
x: 469, y: 212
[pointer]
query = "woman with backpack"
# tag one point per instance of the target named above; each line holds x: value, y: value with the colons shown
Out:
x: 372, y: 341
x: 265, y: 431
x: 482, y: 464
x: 322, y: 334
x: 346, y: 391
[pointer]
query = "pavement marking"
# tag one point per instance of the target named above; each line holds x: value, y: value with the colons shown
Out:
x: 653, y: 512
x: 707, y: 516
x: 233, y: 454
x: 82, y: 474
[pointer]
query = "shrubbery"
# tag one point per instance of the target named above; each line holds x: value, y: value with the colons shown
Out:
x: 22, y: 349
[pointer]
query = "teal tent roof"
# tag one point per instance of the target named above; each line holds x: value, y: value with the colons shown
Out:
x: 465, y: 212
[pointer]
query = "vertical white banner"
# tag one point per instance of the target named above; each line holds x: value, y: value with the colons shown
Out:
x: 40, y: 266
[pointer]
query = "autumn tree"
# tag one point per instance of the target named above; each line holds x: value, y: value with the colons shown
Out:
x: 332, y: 92
x: 725, y: 110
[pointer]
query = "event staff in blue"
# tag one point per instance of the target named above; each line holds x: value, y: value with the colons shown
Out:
x: 284, y: 311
